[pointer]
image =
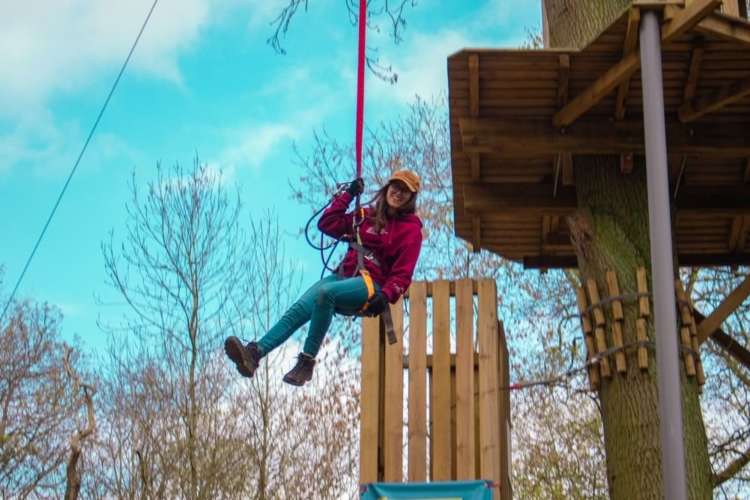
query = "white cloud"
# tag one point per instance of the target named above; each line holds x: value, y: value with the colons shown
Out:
x: 421, y: 66
x: 254, y: 145
x: 49, y: 46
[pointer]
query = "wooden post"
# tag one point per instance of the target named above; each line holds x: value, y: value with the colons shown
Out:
x: 599, y: 334
x: 417, y: 406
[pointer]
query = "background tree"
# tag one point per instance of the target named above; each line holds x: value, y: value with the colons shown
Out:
x: 37, y: 404
x: 178, y: 420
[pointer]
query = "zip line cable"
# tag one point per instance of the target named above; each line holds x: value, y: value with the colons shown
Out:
x: 78, y: 161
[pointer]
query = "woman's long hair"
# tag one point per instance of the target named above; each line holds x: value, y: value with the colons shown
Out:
x: 383, y: 212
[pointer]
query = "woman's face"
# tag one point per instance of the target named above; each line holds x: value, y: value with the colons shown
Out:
x: 397, y: 195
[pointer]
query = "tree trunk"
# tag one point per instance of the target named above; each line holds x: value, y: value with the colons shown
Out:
x: 610, y: 232
x: 574, y: 23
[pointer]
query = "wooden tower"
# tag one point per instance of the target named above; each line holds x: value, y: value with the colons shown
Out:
x: 456, y: 422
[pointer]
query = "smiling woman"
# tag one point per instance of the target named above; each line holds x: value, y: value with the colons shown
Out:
x: 384, y: 244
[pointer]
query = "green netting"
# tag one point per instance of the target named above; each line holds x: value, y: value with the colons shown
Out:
x: 448, y: 490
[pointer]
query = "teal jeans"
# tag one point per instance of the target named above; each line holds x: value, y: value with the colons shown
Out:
x: 332, y: 294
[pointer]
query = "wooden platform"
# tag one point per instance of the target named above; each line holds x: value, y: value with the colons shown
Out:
x: 519, y: 117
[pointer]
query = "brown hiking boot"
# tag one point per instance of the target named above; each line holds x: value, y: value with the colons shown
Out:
x: 302, y: 371
x: 246, y: 358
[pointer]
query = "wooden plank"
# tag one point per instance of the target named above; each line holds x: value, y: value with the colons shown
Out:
x: 702, y: 105
x: 441, y: 379
x: 488, y: 384
x: 589, y: 137
x: 630, y: 44
x: 644, y: 304
x: 642, y: 336
x: 417, y: 407
x: 503, y: 373
x: 464, y: 380
x: 394, y: 401
x: 594, y: 300
x: 723, y: 310
x: 618, y: 316
x: 369, y: 401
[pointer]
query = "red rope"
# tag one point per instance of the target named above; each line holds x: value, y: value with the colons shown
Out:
x: 361, y: 83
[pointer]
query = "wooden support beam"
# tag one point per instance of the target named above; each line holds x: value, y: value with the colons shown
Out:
x: 568, y: 177
x: 738, y: 233
x: 733, y: 30
x: 722, y: 312
x: 726, y: 342
x: 563, y: 79
x: 696, y: 59
x: 487, y: 199
x: 474, y: 85
x: 518, y: 137
x: 587, y: 99
x: 476, y: 242
x: 701, y: 105
x: 626, y: 163
x: 630, y: 45
x: 679, y: 176
x: 476, y: 231
x: 681, y: 21
x: 684, y: 260
x: 512, y: 198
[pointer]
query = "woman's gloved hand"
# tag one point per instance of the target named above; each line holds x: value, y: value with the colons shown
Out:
x: 356, y: 187
x: 377, y: 304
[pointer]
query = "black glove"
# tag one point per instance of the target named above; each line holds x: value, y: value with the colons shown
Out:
x: 356, y: 187
x: 377, y: 304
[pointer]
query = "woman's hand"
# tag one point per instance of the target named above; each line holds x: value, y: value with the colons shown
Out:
x: 377, y: 304
x: 356, y: 187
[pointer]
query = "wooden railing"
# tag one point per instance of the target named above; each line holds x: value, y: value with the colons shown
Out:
x: 457, y: 418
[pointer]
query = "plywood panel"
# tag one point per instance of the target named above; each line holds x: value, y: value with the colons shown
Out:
x: 417, y: 444
x: 394, y: 400
x: 369, y: 401
x: 441, y: 379
x: 488, y: 382
x: 464, y: 380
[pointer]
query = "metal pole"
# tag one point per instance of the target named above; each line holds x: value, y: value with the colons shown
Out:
x: 662, y: 265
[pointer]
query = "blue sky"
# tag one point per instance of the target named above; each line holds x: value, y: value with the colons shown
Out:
x: 202, y: 80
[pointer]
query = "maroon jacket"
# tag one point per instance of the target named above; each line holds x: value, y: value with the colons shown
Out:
x: 396, y: 247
